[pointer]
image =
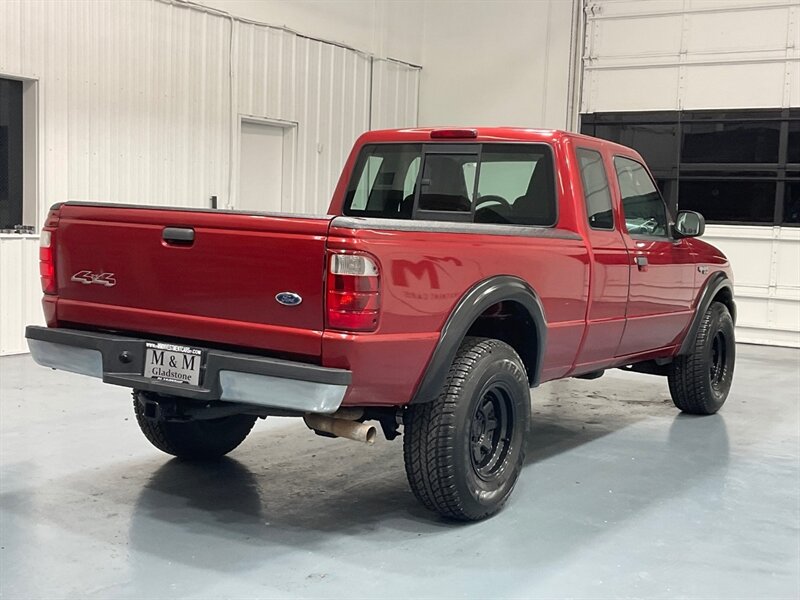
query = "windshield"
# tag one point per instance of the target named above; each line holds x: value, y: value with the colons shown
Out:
x: 489, y: 183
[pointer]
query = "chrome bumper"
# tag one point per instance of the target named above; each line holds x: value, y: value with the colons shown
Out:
x: 227, y: 376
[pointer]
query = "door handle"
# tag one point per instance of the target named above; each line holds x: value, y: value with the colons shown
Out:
x: 641, y: 262
x: 178, y: 235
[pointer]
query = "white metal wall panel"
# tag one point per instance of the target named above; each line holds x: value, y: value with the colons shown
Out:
x: 141, y: 102
x: 20, y: 302
x: 691, y: 54
x: 395, y: 90
x: 132, y: 100
x: 714, y: 54
x: 322, y: 87
x: 766, y: 268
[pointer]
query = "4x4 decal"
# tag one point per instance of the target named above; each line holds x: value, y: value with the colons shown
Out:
x: 87, y: 277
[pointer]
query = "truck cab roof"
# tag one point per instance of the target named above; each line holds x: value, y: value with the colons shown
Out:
x: 466, y: 134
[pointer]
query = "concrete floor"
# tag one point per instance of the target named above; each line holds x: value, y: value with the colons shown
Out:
x: 621, y: 497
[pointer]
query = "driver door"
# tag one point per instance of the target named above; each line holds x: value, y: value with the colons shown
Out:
x: 662, y: 269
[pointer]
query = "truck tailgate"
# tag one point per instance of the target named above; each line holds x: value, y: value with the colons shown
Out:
x: 221, y: 286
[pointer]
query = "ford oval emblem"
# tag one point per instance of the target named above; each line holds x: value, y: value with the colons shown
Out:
x: 289, y: 298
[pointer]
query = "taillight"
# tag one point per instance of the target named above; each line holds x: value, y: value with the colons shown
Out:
x: 47, y: 262
x: 353, y: 298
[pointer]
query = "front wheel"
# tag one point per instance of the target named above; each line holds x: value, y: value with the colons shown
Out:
x: 699, y: 381
x: 464, y: 450
x: 198, y: 439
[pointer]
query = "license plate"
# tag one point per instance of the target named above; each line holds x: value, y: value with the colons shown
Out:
x: 176, y: 364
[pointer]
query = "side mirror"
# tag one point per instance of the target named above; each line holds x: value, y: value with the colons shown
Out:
x: 689, y: 224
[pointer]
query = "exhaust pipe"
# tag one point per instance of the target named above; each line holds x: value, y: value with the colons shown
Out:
x: 346, y: 427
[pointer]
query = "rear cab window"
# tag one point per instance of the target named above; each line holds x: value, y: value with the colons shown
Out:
x: 512, y: 184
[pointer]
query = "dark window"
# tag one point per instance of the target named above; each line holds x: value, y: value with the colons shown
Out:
x: 791, y: 202
x: 753, y: 142
x: 595, y: 189
x: 725, y: 201
x: 656, y: 142
x: 668, y: 186
x: 793, y: 150
x: 730, y: 165
x: 516, y: 183
x: 10, y: 153
x: 645, y: 212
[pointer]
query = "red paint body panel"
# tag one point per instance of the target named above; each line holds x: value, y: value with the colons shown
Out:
x: 221, y: 288
x: 421, y: 289
x: 600, y: 310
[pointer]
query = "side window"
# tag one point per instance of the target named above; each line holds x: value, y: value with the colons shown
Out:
x: 595, y: 189
x: 645, y: 211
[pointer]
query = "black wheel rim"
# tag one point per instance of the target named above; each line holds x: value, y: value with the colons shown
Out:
x: 719, y: 360
x: 491, y: 431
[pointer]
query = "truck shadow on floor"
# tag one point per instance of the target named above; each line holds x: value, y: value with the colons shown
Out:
x: 595, y: 461
x: 335, y: 495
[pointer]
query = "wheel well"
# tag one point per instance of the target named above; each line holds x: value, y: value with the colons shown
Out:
x: 511, y: 323
x: 725, y: 296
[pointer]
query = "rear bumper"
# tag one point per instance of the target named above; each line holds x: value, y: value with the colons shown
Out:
x: 227, y: 376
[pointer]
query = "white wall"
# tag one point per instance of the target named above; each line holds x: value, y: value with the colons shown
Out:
x: 20, y: 292
x: 691, y: 54
x: 766, y: 265
x: 141, y: 102
x: 386, y: 28
x: 496, y: 62
x: 710, y: 54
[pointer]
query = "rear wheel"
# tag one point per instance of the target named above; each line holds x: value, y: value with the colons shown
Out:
x: 196, y: 439
x: 464, y: 450
x: 699, y: 381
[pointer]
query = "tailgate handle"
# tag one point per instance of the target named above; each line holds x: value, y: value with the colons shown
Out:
x: 178, y: 235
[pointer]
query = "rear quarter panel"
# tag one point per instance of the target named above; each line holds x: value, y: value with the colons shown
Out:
x: 423, y: 277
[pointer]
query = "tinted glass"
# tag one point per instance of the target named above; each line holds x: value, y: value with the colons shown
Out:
x: 645, y: 212
x: 656, y: 142
x: 669, y: 190
x: 10, y: 153
x: 411, y: 177
x: 381, y: 180
x: 444, y: 184
x: 595, y: 189
x: 791, y: 202
x: 366, y: 182
x: 516, y: 185
x: 793, y: 152
x: 740, y: 146
x: 753, y: 142
x: 729, y: 201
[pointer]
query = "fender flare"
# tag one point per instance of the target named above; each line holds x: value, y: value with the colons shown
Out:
x: 713, y: 285
x: 471, y: 305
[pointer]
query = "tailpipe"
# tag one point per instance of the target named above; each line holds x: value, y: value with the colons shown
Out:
x: 342, y: 424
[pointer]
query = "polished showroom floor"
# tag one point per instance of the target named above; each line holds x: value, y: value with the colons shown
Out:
x: 621, y: 496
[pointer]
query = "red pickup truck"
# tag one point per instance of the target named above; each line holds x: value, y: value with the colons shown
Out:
x: 456, y: 269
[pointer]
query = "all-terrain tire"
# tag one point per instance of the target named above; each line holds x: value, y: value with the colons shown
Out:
x: 464, y: 450
x: 699, y: 381
x: 199, y: 439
